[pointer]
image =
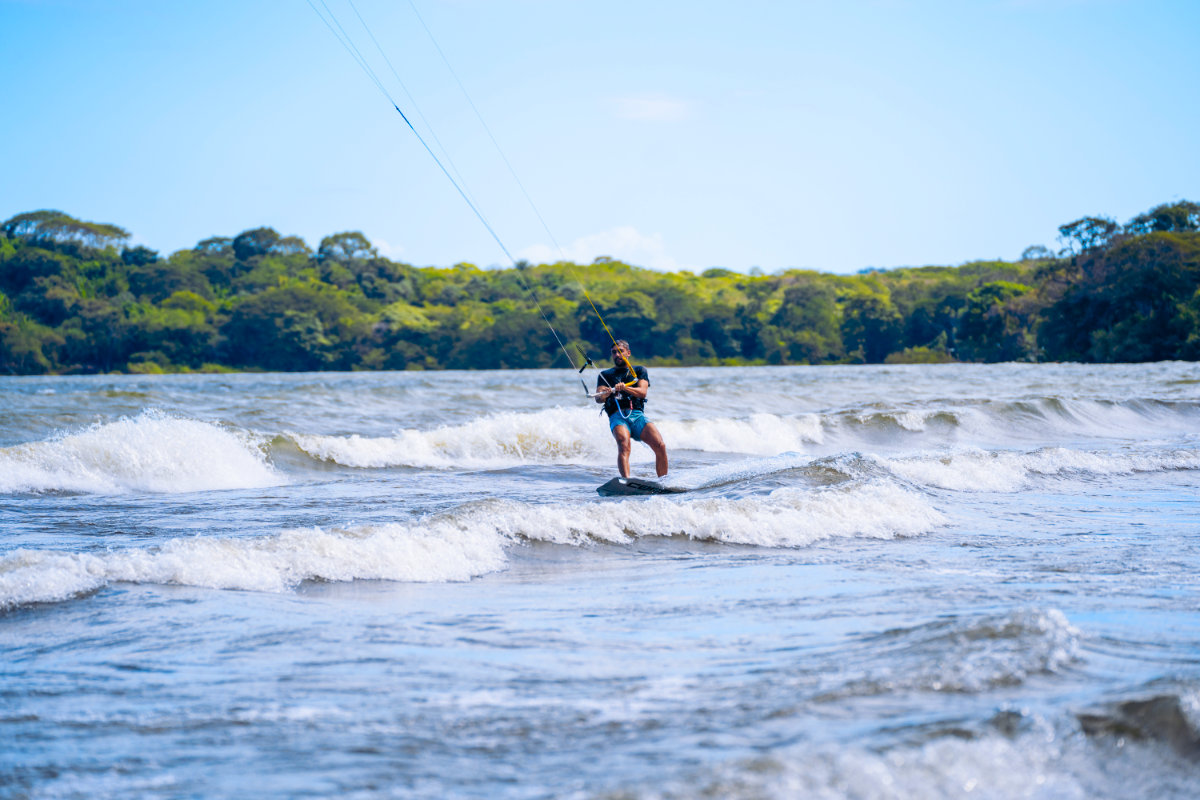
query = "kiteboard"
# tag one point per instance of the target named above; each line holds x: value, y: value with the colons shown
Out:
x: 634, y: 486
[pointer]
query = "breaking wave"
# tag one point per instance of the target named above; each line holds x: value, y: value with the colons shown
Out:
x: 1044, y: 759
x: 466, y: 542
x: 554, y: 436
x: 157, y: 452
x: 969, y: 654
x: 152, y: 452
x: 1004, y: 471
x: 575, y: 435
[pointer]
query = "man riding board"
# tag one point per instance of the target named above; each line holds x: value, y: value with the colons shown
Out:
x: 623, y: 391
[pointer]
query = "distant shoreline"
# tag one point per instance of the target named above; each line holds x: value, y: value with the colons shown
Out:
x: 75, y: 300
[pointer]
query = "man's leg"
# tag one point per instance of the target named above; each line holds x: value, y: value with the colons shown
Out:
x: 653, y: 438
x: 621, y: 434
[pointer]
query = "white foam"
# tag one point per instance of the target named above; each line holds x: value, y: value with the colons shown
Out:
x: 1132, y: 418
x: 913, y: 420
x: 270, y: 563
x: 991, y: 422
x: 555, y: 436
x: 971, y: 655
x: 1005, y: 471
x: 153, y: 452
x: 577, y: 435
x: 793, y: 517
x: 761, y: 434
x: 786, y: 517
x: 1043, y: 764
x: 733, y: 472
x: 466, y: 542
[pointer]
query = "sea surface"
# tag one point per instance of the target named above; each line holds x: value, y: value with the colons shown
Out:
x: 885, y: 582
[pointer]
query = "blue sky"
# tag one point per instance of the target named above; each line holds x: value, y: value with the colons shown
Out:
x: 675, y: 135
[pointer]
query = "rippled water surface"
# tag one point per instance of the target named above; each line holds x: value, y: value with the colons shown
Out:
x: 883, y: 582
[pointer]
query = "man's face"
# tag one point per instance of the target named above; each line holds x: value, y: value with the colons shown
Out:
x: 619, y: 356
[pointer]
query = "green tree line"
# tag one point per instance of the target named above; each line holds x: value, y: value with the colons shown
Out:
x: 76, y: 298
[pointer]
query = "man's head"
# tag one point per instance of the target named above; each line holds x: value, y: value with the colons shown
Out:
x: 620, y: 353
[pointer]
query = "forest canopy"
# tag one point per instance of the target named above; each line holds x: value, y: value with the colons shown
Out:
x: 76, y: 298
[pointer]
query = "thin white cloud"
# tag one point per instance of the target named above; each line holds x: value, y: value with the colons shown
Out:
x: 623, y: 243
x: 652, y: 108
x: 387, y: 250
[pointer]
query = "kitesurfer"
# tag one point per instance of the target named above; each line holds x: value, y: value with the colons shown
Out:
x: 623, y: 391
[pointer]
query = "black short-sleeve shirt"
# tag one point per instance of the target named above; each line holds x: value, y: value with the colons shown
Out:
x: 610, y: 377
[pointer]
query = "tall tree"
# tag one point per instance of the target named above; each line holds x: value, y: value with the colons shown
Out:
x: 57, y: 229
x: 1087, y: 233
x: 1181, y: 217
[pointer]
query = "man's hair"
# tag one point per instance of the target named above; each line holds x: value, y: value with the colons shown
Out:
x: 622, y: 343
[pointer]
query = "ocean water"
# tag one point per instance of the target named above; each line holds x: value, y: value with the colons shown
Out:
x: 885, y: 582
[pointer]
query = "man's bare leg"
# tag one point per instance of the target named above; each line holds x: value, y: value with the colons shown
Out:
x: 621, y: 434
x: 653, y: 438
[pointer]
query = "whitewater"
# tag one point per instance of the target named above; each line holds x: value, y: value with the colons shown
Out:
x: 931, y: 581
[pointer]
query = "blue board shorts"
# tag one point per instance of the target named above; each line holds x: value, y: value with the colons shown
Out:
x: 635, y: 421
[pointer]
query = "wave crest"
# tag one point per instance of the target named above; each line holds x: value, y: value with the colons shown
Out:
x: 465, y: 542
x: 967, y: 655
x: 152, y: 452
x: 1004, y: 471
x: 576, y: 435
x: 555, y: 436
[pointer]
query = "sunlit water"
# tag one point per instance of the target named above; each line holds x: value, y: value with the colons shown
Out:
x: 886, y: 582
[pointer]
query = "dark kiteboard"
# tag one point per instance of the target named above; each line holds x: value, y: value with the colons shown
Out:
x: 618, y: 487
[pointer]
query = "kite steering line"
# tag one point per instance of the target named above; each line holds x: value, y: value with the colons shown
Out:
x: 347, y: 42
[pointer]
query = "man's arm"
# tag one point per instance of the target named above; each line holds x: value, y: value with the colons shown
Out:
x: 638, y: 390
x: 603, y: 390
x: 642, y: 387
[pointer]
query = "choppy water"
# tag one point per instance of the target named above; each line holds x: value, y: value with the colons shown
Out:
x: 888, y: 582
